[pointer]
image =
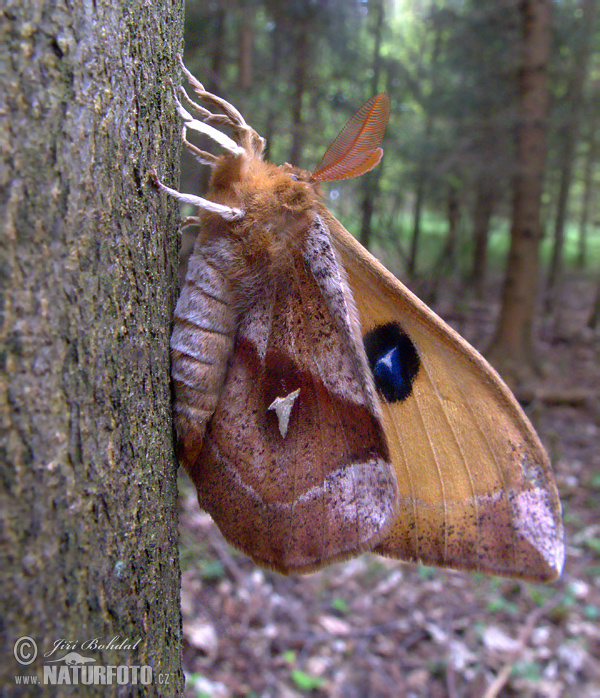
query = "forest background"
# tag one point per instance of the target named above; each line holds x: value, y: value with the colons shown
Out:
x: 439, y: 211
x: 440, y: 205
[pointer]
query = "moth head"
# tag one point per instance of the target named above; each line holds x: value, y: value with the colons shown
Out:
x: 242, y: 184
x: 261, y: 189
x: 244, y: 188
x: 288, y: 190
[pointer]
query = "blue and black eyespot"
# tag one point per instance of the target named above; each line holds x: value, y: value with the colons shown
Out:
x: 393, y: 359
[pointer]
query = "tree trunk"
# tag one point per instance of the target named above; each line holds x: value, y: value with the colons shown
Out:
x: 370, y: 182
x: 588, y: 187
x: 89, y: 248
x: 218, y: 55
x: 300, y: 80
x: 411, y: 266
x: 423, y: 170
x: 511, y: 349
x: 445, y: 266
x: 594, y: 319
x: 569, y: 135
x: 273, y: 105
x: 451, y: 244
x: 485, y: 196
x: 246, y: 46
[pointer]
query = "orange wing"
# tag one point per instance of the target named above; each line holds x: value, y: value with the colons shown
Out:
x: 477, y: 490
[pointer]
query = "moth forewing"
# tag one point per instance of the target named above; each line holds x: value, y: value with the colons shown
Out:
x: 320, y: 488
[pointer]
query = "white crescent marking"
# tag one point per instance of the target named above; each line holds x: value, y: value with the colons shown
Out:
x: 283, y: 408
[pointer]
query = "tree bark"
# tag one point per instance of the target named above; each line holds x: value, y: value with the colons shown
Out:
x: 88, y: 504
x: 511, y: 349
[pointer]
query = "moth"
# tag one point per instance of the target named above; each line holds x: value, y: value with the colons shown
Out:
x: 321, y: 409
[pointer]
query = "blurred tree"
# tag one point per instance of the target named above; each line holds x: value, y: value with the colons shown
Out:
x: 467, y: 121
x: 300, y: 82
x: 277, y: 39
x: 592, y: 138
x: 569, y: 131
x: 246, y: 46
x: 206, y: 33
x: 370, y: 182
x: 512, y: 348
x: 486, y: 52
x: 594, y: 319
x: 424, y: 163
x: 486, y: 195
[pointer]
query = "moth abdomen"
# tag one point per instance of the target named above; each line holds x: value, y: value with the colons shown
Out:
x: 201, y: 343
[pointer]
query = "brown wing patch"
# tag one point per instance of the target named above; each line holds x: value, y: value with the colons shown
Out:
x: 325, y: 490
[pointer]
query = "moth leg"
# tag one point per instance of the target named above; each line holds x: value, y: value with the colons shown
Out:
x: 201, y: 156
x: 227, y: 212
x: 190, y: 222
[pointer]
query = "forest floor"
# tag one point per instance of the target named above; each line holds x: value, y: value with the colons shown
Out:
x: 375, y: 628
